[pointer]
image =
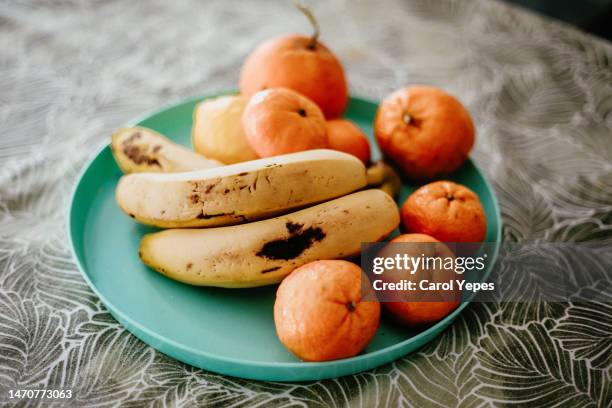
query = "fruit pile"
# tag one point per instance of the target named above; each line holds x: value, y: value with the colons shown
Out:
x: 281, y: 188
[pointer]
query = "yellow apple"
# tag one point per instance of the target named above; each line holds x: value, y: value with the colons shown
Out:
x: 217, y: 129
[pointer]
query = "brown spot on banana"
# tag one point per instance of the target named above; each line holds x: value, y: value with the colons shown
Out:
x: 276, y: 268
x: 298, y: 241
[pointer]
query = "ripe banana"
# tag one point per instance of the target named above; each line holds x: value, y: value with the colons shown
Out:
x: 240, y: 192
x: 381, y: 175
x: 264, y: 252
x: 140, y: 149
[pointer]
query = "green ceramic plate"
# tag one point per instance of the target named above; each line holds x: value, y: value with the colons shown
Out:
x: 222, y: 330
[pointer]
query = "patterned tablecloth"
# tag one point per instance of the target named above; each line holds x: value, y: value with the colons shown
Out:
x: 541, y: 96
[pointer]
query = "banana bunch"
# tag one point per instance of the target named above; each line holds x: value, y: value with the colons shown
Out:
x: 263, y: 218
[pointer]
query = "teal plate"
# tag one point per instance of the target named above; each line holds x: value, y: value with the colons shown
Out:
x: 222, y: 330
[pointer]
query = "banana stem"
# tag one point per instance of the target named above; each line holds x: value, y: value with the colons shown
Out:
x: 313, y: 21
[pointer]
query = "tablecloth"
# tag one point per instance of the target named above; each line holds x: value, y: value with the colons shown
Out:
x: 540, y: 94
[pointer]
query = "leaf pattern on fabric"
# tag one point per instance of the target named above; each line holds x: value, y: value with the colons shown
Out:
x: 525, y: 366
x: 586, y: 329
x: 428, y: 381
x: 30, y: 342
x: 104, y: 369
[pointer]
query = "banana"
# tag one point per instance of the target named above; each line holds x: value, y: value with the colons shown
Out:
x: 375, y: 173
x: 240, y: 192
x: 139, y: 149
x: 381, y: 175
x: 392, y: 182
x: 264, y: 252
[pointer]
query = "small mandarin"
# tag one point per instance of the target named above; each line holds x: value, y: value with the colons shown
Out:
x: 319, y: 313
x: 301, y: 63
x: 345, y: 136
x: 413, y: 312
x: 447, y: 211
x: 280, y: 121
x: 425, y: 131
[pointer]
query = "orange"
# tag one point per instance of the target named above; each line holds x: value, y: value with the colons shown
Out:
x: 301, y: 63
x: 447, y: 211
x: 319, y: 314
x: 279, y: 121
x: 422, y: 313
x: 344, y: 136
x: 425, y: 131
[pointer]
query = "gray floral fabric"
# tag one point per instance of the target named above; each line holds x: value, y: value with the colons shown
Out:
x: 541, y: 96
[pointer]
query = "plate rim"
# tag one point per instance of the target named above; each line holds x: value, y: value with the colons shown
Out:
x: 345, y: 366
